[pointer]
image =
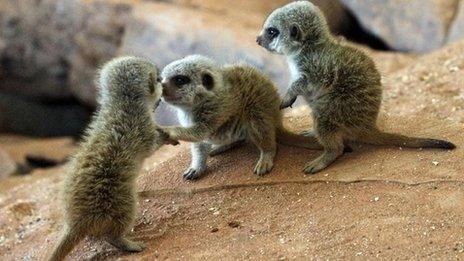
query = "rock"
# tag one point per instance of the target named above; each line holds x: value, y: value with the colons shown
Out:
x: 97, y: 40
x: 51, y: 49
x: 413, y: 25
x: 432, y: 85
x: 44, y: 42
x: 456, y: 31
x: 30, y: 153
x: 335, y: 13
x: 7, y: 165
x: 24, y: 116
x: 36, y: 37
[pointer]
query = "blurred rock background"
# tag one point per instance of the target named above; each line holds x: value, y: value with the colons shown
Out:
x: 50, y: 49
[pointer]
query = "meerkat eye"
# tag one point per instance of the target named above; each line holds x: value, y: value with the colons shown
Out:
x: 158, y: 79
x: 180, y: 80
x: 272, y: 32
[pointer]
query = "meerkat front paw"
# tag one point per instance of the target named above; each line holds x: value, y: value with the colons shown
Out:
x: 192, y: 174
x: 287, y: 101
x: 308, y: 133
x: 171, y: 142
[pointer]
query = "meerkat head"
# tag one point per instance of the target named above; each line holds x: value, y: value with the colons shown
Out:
x: 129, y: 78
x: 288, y: 28
x: 183, y: 80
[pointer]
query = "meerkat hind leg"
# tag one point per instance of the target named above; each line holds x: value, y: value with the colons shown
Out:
x: 333, y: 148
x: 217, y: 150
x: 125, y: 244
x: 312, y: 134
x: 265, y: 139
x: 265, y: 162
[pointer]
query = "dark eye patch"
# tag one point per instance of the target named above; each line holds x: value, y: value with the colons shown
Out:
x: 272, y: 32
x: 208, y: 81
x: 180, y: 80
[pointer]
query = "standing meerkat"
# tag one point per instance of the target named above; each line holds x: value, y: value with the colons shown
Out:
x: 340, y: 83
x: 99, y: 191
x: 223, y: 106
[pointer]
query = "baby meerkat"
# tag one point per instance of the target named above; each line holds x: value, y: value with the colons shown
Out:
x: 99, y: 191
x: 225, y: 105
x: 340, y: 83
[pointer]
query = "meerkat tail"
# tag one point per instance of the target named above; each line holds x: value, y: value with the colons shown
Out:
x: 378, y: 137
x: 286, y: 137
x: 68, y: 241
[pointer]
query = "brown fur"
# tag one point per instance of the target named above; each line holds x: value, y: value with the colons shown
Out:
x: 99, y: 190
x: 242, y: 104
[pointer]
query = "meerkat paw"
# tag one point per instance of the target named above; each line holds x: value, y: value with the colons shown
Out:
x: 315, y: 166
x: 287, y: 101
x: 308, y: 133
x: 347, y: 149
x: 263, y: 166
x: 127, y: 245
x: 172, y: 142
x: 192, y: 174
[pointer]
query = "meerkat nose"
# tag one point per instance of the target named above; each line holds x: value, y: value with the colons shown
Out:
x: 258, y: 39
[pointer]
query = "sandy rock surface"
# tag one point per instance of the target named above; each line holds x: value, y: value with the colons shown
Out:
x: 431, y: 85
x: 7, y: 165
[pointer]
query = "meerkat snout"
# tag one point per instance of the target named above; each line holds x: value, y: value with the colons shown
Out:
x: 259, y: 40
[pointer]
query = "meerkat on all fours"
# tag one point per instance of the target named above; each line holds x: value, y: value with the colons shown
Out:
x: 225, y: 105
x: 340, y: 83
x: 99, y: 191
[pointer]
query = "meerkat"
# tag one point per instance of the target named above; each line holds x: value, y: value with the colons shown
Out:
x: 99, y: 191
x: 223, y: 106
x: 340, y: 83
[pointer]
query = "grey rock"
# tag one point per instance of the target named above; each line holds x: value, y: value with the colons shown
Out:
x: 412, y: 25
x: 23, y: 116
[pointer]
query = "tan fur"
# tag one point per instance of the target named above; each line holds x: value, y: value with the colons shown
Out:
x: 99, y: 189
x: 242, y: 104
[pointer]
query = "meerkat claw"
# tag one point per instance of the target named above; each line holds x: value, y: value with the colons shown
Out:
x: 308, y: 133
x: 127, y: 245
x: 287, y: 102
x: 191, y: 174
x: 314, y: 167
x: 263, y: 166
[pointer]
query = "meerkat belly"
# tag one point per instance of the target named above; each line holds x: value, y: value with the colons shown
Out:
x: 231, y: 131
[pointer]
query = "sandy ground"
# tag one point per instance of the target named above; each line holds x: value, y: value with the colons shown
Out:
x: 374, y: 202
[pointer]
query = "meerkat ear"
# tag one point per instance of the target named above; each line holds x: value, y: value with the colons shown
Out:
x: 207, y: 81
x: 151, y: 82
x: 295, y: 32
